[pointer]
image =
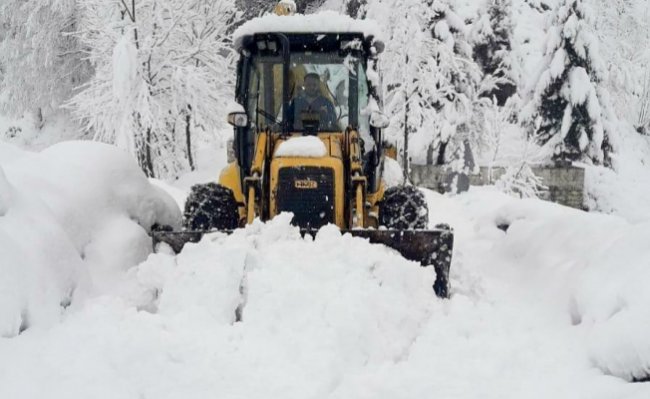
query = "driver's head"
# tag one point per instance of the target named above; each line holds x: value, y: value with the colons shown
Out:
x: 312, y: 85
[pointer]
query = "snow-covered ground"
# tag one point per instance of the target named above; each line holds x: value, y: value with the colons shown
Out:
x: 554, y: 307
x: 626, y: 191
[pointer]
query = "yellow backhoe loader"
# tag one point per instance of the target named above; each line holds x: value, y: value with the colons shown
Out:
x: 308, y: 140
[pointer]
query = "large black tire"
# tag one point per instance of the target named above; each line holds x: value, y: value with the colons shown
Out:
x: 403, y: 208
x: 210, y: 206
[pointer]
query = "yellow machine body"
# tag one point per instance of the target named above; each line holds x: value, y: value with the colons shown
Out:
x: 354, y: 206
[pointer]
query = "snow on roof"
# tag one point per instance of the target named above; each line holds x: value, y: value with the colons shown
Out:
x: 322, y: 22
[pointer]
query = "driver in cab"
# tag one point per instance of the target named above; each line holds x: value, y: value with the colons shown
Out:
x: 312, y: 104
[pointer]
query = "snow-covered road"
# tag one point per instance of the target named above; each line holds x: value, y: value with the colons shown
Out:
x: 554, y: 307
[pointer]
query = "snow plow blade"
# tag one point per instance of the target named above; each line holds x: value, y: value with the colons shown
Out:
x: 428, y: 247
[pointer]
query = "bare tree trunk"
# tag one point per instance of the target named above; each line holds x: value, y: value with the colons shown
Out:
x: 142, y: 144
x: 130, y: 12
x: 143, y: 154
x: 430, y: 150
x: 441, y: 154
x: 407, y: 109
x: 643, y: 117
x: 188, y: 138
x: 405, y: 152
x: 40, y: 121
x: 143, y: 147
x: 148, y: 167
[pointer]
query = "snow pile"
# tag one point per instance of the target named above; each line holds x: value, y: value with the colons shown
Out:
x: 337, y: 317
x: 324, y: 22
x: 88, y: 185
x: 302, y: 146
x: 38, y: 263
x: 10, y: 153
x: 612, y: 301
x: 594, y: 269
x: 623, y: 192
x: 73, y: 218
x: 308, y: 322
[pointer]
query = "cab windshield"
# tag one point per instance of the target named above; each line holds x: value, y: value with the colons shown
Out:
x: 327, y: 92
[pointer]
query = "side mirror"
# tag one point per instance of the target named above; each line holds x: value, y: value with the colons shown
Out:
x: 379, y: 120
x: 238, y: 119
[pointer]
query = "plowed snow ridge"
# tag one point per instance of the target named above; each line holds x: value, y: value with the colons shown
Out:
x: 555, y: 307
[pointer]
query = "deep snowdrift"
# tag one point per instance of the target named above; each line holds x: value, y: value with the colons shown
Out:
x: 554, y: 307
x: 549, y: 309
x: 626, y: 191
x: 312, y: 312
x: 592, y: 269
x: 72, y: 219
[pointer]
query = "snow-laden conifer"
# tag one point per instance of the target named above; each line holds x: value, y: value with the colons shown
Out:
x: 491, y: 38
x: 570, y: 108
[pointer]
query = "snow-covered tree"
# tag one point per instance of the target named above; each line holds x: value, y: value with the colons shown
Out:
x: 624, y: 36
x: 42, y: 61
x: 405, y: 69
x: 429, y: 75
x: 308, y: 6
x: 164, y: 70
x: 503, y: 144
x: 570, y: 107
x: 255, y: 8
x: 457, y: 78
x: 520, y: 181
x: 491, y: 39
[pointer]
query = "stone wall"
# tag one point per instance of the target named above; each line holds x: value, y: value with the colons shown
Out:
x: 565, y: 184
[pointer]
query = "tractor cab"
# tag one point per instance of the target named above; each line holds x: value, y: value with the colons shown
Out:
x: 307, y: 84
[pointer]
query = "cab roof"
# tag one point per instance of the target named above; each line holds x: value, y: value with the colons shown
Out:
x: 322, y: 23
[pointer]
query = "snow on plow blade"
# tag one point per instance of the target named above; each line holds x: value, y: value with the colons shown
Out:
x: 428, y: 247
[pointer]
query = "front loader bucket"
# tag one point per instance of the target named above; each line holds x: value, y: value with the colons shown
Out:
x: 428, y: 247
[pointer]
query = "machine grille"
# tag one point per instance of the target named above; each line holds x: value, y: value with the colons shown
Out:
x: 308, y: 192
